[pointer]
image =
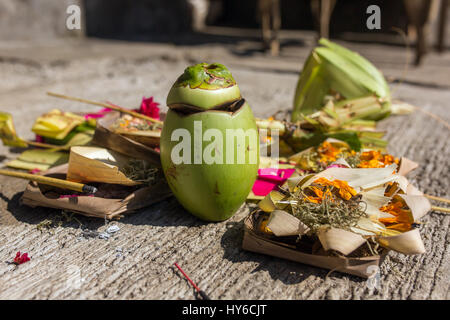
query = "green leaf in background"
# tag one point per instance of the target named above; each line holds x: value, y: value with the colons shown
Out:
x: 332, y: 71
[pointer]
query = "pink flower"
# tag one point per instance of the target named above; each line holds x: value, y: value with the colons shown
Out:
x: 149, y: 108
x: 96, y: 115
x: 337, y: 165
x: 35, y: 171
x: 21, y: 258
x: 269, y: 179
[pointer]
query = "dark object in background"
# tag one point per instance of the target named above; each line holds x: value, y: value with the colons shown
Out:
x: 322, y: 10
x: 119, y: 18
x: 269, y: 11
x: 159, y: 19
x: 421, y: 14
x: 443, y: 15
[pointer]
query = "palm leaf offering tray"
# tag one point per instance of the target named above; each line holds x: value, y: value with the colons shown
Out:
x: 138, y: 144
x: 340, y: 212
x: 94, y: 164
x: 143, y: 131
x: 339, y: 154
x: 111, y: 201
x: 39, y: 159
x: 308, y: 251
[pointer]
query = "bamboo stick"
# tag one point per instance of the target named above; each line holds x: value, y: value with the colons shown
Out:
x: 59, y: 183
x: 437, y: 198
x: 432, y: 115
x: 45, y: 145
x: 106, y: 105
x: 446, y: 210
x: 271, y: 125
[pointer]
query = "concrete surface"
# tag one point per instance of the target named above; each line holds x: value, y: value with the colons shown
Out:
x: 36, y: 19
x: 136, y: 263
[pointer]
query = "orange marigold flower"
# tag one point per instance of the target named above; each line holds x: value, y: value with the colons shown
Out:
x: 345, y: 191
x: 263, y: 226
x: 403, y: 227
x: 370, y: 155
x: 401, y: 220
x: 389, y: 159
x: 327, y: 152
x: 323, y: 181
x: 125, y: 124
x: 319, y: 195
x: 374, y: 159
x: 374, y: 163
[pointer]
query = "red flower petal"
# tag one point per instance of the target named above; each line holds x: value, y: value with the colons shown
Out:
x: 149, y: 108
x: 19, y: 259
x: 24, y: 258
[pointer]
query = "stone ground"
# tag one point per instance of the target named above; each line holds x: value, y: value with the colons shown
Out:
x: 136, y: 263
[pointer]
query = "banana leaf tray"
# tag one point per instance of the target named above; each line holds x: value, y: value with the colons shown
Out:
x: 135, y: 146
x: 306, y: 252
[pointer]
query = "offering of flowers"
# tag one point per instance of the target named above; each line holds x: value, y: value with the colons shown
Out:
x: 344, y: 212
x: 94, y: 164
x: 338, y: 153
x: 138, y: 129
x: 128, y: 123
x: 300, y: 135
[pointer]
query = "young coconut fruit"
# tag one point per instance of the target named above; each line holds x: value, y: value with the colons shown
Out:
x: 209, y: 143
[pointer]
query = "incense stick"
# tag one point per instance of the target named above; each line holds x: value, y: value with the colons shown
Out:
x: 446, y: 210
x: 45, y: 145
x: 437, y: 198
x: 59, y: 183
x: 201, y: 292
x: 106, y: 105
x: 432, y: 115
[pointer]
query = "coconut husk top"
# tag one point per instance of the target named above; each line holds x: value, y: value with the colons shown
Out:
x: 204, y: 86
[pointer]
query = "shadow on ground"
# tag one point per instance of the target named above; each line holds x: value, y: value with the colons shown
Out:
x: 165, y: 213
x: 286, y: 271
x: 16, y: 212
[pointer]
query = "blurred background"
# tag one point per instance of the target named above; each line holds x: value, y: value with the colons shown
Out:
x: 274, y: 22
x: 121, y: 50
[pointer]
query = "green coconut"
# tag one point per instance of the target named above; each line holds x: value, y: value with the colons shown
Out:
x: 209, y: 143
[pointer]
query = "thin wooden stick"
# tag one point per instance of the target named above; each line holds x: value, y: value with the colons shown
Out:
x: 45, y: 145
x: 41, y: 145
x: 106, y: 105
x: 59, y: 183
x: 432, y: 115
x: 446, y: 210
x: 437, y: 198
x: 201, y: 292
